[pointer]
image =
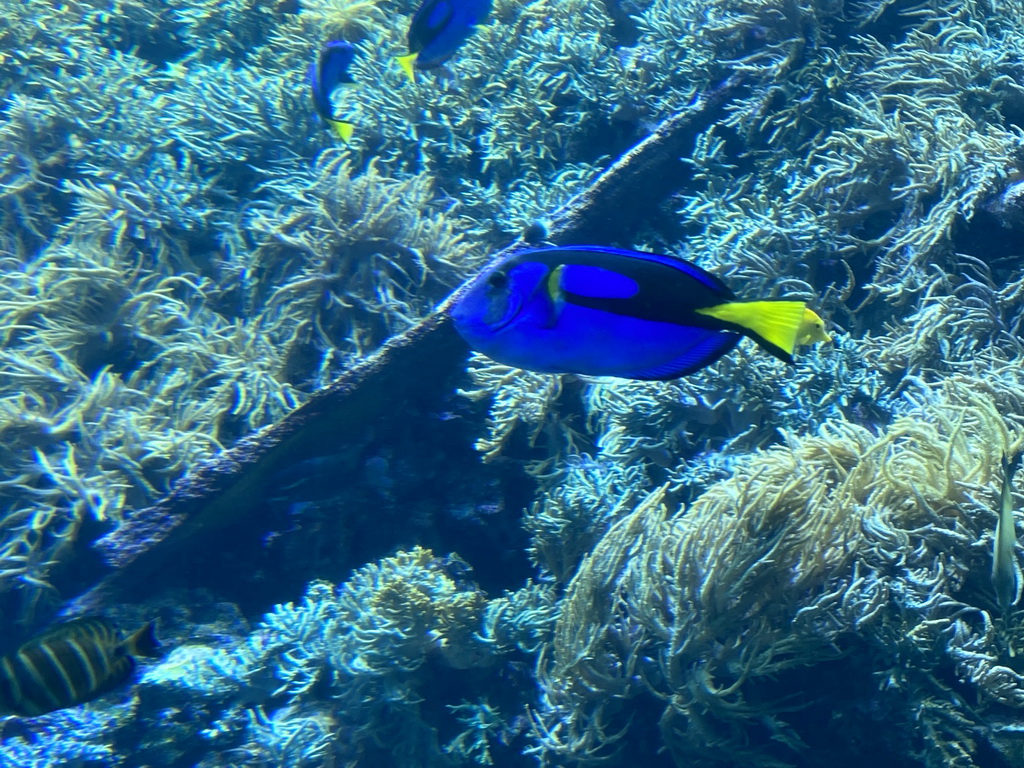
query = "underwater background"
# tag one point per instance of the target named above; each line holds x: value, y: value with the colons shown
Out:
x: 756, y: 565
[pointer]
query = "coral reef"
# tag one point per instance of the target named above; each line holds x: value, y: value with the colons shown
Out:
x: 62, y: 738
x: 346, y: 674
x: 758, y: 565
x: 838, y: 549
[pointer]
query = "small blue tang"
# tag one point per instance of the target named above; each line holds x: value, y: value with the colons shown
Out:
x: 325, y: 74
x: 611, y: 312
x: 438, y: 29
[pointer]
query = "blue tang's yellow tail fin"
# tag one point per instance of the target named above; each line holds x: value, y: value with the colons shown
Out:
x: 406, y: 63
x: 342, y: 129
x: 774, y: 325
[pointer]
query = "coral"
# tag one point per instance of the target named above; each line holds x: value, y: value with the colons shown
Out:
x: 935, y: 171
x: 291, y: 739
x: 395, y: 613
x: 837, y: 545
x: 636, y: 435
x: 62, y: 738
x: 237, y: 125
x: 345, y: 255
x: 324, y: 679
x: 343, y: 19
x: 524, y: 619
x: 32, y: 156
x: 519, y: 398
x: 483, y: 724
x: 959, y: 317
x: 576, y: 509
x: 112, y: 394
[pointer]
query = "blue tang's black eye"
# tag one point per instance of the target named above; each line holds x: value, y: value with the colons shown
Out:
x: 497, y: 280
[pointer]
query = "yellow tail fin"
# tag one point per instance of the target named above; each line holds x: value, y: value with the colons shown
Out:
x: 774, y: 325
x: 406, y: 63
x: 143, y: 642
x: 342, y: 129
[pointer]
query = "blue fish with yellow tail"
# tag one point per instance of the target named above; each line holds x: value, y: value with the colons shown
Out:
x: 610, y: 312
x: 438, y: 29
x: 325, y: 74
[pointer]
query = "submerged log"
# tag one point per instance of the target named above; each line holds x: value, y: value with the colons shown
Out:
x: 406, y: 380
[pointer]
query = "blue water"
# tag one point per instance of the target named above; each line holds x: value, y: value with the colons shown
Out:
x: 444, y: 561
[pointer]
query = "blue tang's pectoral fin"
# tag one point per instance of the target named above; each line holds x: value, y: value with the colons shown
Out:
x: 568, y: 281
x: 597, y: 282
x: 555, y: 295
x: 707, y: 347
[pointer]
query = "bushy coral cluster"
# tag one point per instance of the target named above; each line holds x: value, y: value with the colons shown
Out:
x: 842, y: 557
x: 367, y: 671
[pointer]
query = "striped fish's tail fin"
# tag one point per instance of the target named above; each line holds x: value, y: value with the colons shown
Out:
x: 774, y: 325
x: 143, y: 642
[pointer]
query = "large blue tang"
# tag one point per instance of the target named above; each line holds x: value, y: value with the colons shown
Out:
x: 438, y: 29
x: 610, y: 312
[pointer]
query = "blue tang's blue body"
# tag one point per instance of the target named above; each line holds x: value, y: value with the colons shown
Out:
x: 325, y: 74
x: 610, y: 312
x: 439, y: 27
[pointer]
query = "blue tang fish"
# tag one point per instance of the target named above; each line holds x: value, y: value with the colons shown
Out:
x: 437, y: 30
x: 610, y: 312
x: 325, y: 74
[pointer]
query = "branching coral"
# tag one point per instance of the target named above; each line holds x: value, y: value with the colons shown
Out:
x: 31, y: 160
x: 343, y: 19
x: 928, y: 143
x: 572, y: 514
x: 69, y: 738
x: 347, y: 256
x: 483, y: 724
x: 837, y: 543
x: 112, y: 394
x: 959, y: 316
x: 324, y: 679
x: 289, y: 738
x: 521, y: 398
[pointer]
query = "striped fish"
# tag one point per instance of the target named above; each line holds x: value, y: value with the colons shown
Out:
x: 1005, y: 576
x: 70, y: 664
